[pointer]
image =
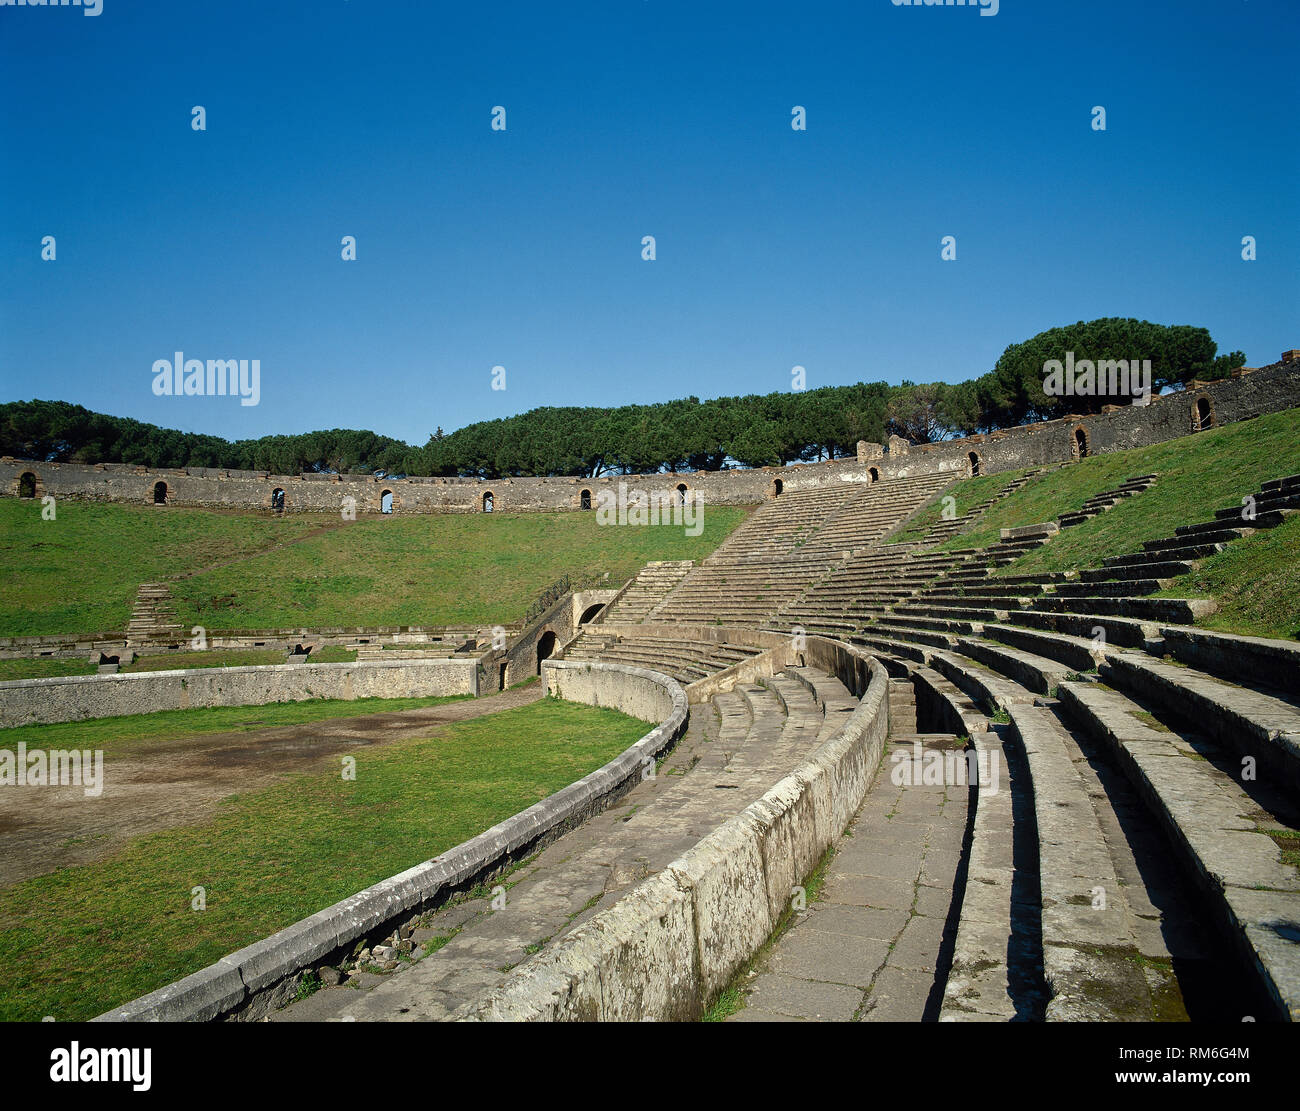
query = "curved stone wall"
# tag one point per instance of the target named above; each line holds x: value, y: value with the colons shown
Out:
x: 669, y: 947
x: 254, y: 980
x: 1265, y: 390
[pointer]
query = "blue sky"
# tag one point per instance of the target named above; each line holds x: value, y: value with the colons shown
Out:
x: 522, y: 248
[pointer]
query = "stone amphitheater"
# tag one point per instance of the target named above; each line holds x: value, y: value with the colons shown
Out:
x: 1049, y: 796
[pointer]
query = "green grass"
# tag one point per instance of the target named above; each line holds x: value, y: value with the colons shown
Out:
x: 429, y: 570
x: 334, y: 654
x: 83, y: 939
x: 1197, y: 475
x: 80, y: 573
x: 43, y: 669
x: 119, y: 734
x: 968, y: 494
x: 217, y: 657
x: 1256, y: 581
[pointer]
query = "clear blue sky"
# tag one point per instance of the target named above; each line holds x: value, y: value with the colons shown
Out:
x: 626, y: 118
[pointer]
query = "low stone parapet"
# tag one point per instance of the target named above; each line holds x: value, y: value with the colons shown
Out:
x: 77, y: 698
x: 252, y: 981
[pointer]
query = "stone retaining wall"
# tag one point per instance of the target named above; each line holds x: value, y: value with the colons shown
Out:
x: 668, y: 948
x: 1265, y: 390
x: 76, y: 698
x: 254, y: 980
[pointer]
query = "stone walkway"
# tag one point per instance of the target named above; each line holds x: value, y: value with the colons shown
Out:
x: 734, y: 750
x: 876, y: 943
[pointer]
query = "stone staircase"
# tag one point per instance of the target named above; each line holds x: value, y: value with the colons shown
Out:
x: 651, y: 584
x: 153, y: 621
x: 1099, y: 503
x: 947, y: 529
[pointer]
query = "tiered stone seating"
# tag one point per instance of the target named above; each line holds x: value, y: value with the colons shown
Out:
x: 644, y: 592
x: 876, y: 510
x: 685, y: 660
x: 739, y: 593
x: 788, y: 545
x: 1099, y: 503
x: 737, y: 747
x: 946, y: 529
x: 1182, y: 718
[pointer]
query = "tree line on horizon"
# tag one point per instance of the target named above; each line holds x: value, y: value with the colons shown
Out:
x: 682, y: 435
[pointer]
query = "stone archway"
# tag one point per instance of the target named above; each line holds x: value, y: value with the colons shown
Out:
x: 545, y: 647
x: 489, y: 502
x: 277, y: 500
x: 160, y: 493
x: 27, y: 485
x: 974, y: 463
x: 875, y: 474
x: 777, y: 487
x: 1079, y: 449
x: 1202, y: 415
x: 584, y: 499
x: 386, y: 502
x: 681, y: 493
x: 590, y: 613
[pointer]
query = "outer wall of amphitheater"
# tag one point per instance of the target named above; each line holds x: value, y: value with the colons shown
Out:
x: 1250, y: 394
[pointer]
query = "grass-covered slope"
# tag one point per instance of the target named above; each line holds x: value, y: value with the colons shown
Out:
x: 80, y: 572
x: 1255, y: 581
x: 1198, y: 474
x: 124, y: 926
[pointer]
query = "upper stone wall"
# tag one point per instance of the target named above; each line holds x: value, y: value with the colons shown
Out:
x: 1250, y: 394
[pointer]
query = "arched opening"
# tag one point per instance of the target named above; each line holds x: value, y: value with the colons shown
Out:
x: 681, y: 493
x: 489, y: 502
x: 1204, y: 417
x: 386, y: 502
x: 160, y: 493
x: 277, y: 500
x: 545, y: 648
x: 874, y: 472
x: 585, y: 499
x: 27, y: 485
x: 590, y: 612
x: 974, y: 464
x: 1080, y: 443
x: 777, y: 487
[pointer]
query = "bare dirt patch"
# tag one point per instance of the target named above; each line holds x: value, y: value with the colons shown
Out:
x: 181, y: 781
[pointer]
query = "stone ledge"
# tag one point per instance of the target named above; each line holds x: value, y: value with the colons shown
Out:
x: 236, y: 981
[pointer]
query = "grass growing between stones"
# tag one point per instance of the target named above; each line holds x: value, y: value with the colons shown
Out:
x: 1197, y: 475
x: 1255, y: 580
x: 81, y: 940
x: 967, y: 494
x: 733, y: 997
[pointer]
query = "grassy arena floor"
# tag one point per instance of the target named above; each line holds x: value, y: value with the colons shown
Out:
x: 81, y: 940
x: 253, y: 571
